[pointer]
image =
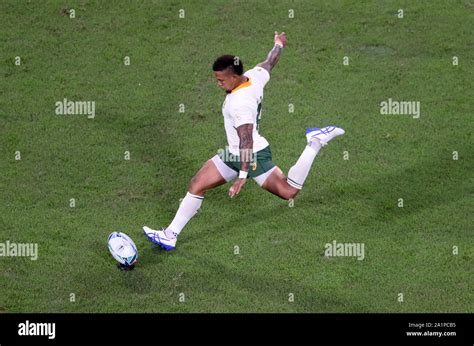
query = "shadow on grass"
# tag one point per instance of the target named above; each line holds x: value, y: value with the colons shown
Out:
x: 270, y: 292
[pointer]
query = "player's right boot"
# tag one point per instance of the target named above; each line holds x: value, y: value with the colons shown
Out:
x: 323, y: 135
x: 160, y: 238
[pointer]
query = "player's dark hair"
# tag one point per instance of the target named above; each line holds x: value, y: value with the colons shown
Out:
x: 231, y: 62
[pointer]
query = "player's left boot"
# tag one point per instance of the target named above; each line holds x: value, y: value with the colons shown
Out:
x: 324, y: 135
x: 160, y: 238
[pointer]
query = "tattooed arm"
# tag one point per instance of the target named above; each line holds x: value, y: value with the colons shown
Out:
x: 274, y: 55
x: 245, y: 133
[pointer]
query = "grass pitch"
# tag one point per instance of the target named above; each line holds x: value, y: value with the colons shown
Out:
x: 65, y: 183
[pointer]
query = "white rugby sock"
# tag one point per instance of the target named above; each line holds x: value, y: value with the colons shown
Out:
x: 298, y: 173
x: 187, y: 209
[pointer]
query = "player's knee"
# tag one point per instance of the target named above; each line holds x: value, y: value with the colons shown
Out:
x: 290, y: 193
x: 195, y: 187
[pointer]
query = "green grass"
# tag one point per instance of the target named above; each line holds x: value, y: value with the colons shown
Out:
x: 409, y: 250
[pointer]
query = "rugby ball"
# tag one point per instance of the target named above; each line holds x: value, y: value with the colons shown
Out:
x: 122, y: 247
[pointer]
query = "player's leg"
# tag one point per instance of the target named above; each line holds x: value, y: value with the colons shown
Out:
x: 288, y: 187
x: 269, y: 176
x: 276, y: 183
x: 208, y: 177
x: 212, y: 174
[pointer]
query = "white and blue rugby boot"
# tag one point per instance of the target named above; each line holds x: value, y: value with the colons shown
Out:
x: 324, y: 135
x: 160, y: 238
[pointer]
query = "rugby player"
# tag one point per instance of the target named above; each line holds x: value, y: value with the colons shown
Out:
x: 248, y: 154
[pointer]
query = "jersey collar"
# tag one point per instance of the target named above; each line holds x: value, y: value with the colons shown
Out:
x: 243, y: 85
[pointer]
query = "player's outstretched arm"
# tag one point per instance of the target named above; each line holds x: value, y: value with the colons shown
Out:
x: 274, y: 55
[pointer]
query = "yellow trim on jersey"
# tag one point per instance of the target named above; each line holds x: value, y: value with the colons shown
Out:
x: 243, y: 85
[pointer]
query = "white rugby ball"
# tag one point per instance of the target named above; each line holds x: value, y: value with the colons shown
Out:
x: 122, y: 247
